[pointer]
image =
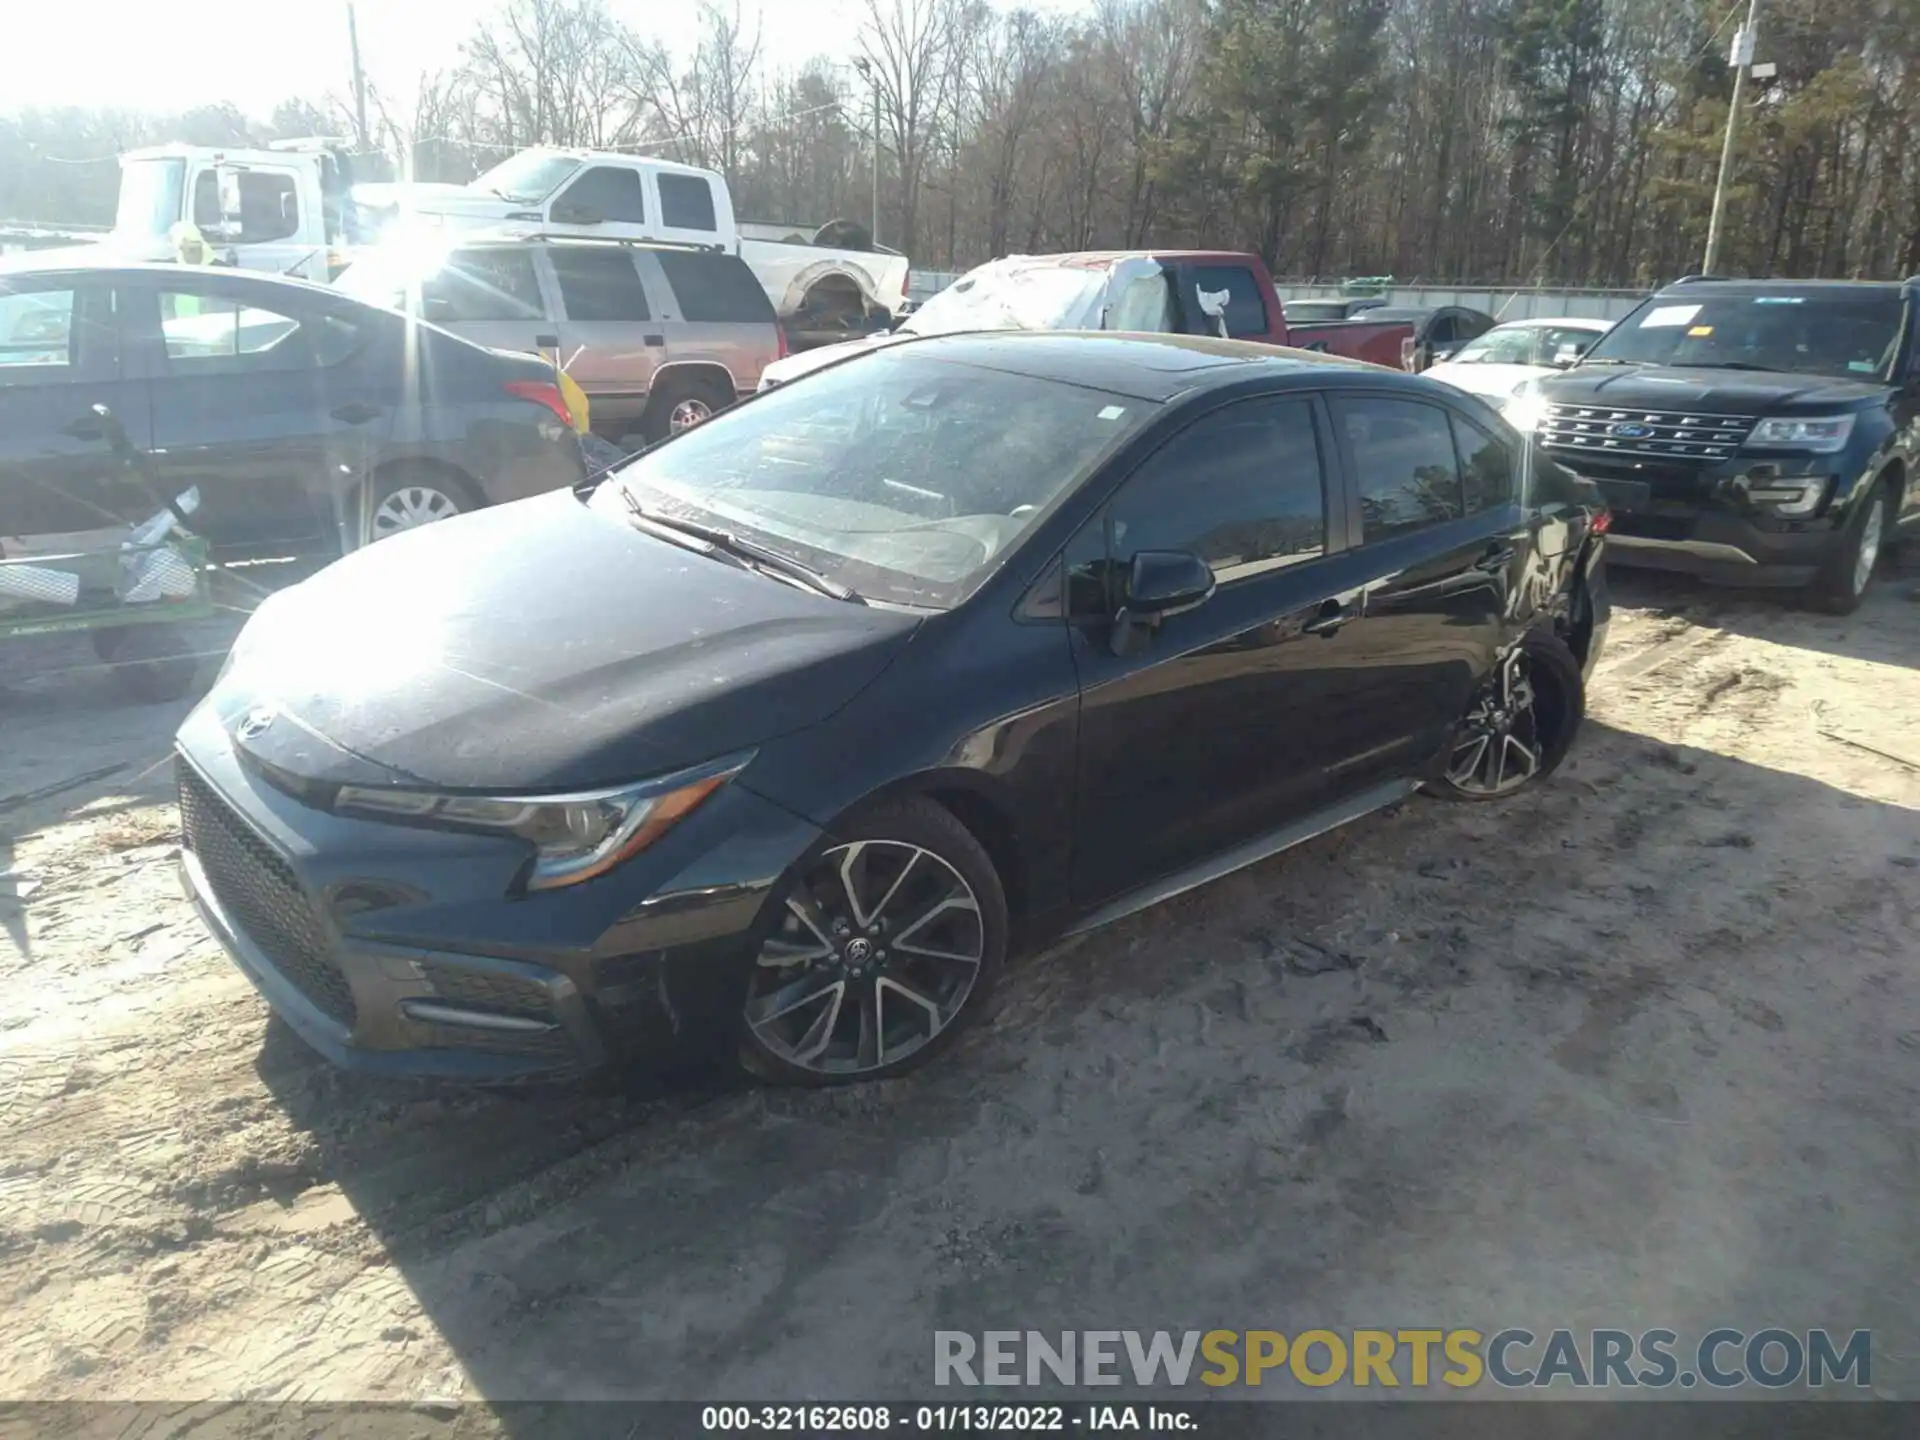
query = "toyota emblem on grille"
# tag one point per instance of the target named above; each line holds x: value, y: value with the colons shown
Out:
x: 254, y: 722
x: 1631, y: 430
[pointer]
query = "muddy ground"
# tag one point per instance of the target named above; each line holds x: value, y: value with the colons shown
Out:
x: 1640, y: 1048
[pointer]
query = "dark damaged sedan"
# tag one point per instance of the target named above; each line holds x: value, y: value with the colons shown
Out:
x: 785, y: 735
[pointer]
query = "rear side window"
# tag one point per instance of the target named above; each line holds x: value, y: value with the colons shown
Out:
x: 608, y: 193
x: 686, y: 202
x: 1246, y: 311
x: 715, y: 287
x: 482, y: 285
x: 209, y: 334
x: 1486, y: 466
x: 1403, y: 458
x: 599, y: 284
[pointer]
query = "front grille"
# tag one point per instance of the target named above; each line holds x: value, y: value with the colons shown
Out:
x: 1668, y: 435
x: 259, y: 891
x: 488, y: 990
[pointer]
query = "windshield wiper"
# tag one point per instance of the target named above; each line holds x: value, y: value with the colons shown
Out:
x: 1609, y: 360
x: 1724, y: 365
x: 755, y: 555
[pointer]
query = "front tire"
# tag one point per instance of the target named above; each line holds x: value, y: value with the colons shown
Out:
x: 885, y: 942
x: 1519, y: 724
x: 1843, y: 580
x: 682, y: 404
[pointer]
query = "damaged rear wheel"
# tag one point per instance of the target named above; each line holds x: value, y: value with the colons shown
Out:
x: 1519, y: 724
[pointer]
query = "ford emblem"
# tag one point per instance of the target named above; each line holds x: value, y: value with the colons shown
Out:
x: 1631, y: 430
x: 254, y: 722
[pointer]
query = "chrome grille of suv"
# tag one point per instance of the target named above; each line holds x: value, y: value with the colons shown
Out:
x: 261, y: 894
x: 1670, y: 435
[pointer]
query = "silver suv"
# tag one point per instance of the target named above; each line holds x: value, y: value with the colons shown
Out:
x: 658, y: 337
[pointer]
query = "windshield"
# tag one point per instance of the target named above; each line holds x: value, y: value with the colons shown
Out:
x: 150, y: 195
x: 530, y: 176
x: 1854, y: 339
x: 908, y: 478
x: 1524, y: 345
x: 1006, y: 297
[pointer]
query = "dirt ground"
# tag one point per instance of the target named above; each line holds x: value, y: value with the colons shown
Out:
x: 1640, y: 1048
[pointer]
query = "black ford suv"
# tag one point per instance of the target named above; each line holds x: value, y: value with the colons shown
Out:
x: 1752, y: 432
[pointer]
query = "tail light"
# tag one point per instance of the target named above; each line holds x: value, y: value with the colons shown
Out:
x: 1602, y: 523
x: 781, y: 331
x: 1409, y: 349
x: 906, y: 283
x: 542, y: 392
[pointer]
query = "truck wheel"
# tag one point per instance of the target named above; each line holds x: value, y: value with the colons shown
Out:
x: 681, y: 404
x: 1842, y: 582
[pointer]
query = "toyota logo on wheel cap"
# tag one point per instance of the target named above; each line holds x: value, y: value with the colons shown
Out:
x: 254, y: 722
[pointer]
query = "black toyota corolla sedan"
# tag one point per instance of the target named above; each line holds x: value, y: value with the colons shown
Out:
x: 783, y: 736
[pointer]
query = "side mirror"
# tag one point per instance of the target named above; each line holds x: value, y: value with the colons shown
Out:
x: 232, y: 206
x: 1159, y: 583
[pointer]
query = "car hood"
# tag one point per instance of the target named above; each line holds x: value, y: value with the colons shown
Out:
x: 782, y: 372
x: 1495, y: 382
x: 544, y: 645
x: 1717, y: 392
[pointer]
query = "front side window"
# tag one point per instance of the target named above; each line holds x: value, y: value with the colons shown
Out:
x: 494, y: 283
x: 1847, y: 338
x: 1404, y: 461
x: 908, y: 478
x: 216, y: 334
x: 608, y: 194
x: 686, y: 202
x: 1241, y: 488
x: 269, y: 207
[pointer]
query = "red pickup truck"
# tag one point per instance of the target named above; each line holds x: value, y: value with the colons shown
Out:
x: 1194, y: 292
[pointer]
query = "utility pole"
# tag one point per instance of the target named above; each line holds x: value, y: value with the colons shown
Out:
x: 359, y: 81
x: 1743, y: 40
x: 865, y: 67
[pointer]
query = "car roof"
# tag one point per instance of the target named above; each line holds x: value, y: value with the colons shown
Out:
x: 1142, y: 366
x: 1832, y: 289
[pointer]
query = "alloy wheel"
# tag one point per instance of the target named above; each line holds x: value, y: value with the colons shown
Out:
x: 876, y: 953
x: 1871, y: 530
x: 410, y: 507
x: 1500, y: 746
x: 687, y: 414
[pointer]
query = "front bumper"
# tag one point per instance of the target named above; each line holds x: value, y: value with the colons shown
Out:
x: 1703, y: 525
x: 397, y: 951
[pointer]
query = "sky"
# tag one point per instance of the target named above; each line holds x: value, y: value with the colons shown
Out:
x: 163, y: 57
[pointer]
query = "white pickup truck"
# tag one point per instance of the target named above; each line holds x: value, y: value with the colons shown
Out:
x: 821, y: 290
x: 294, y: 209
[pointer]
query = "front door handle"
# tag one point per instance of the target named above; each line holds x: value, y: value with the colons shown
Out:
x: 1331, y: 617
x: 1495, y: 560
x: 653, y: 339
x: 358, y: 413
x: 546, y: 342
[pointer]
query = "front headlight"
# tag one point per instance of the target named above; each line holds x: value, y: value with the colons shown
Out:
x: 1525, y: 408
x: 1814, y: 434
x: 574, y: 837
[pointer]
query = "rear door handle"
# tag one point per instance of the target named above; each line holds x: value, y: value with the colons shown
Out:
x: 1494, y: 561
x: 358, y: 414
x: 653, y: 339
x: 1331, y: 617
